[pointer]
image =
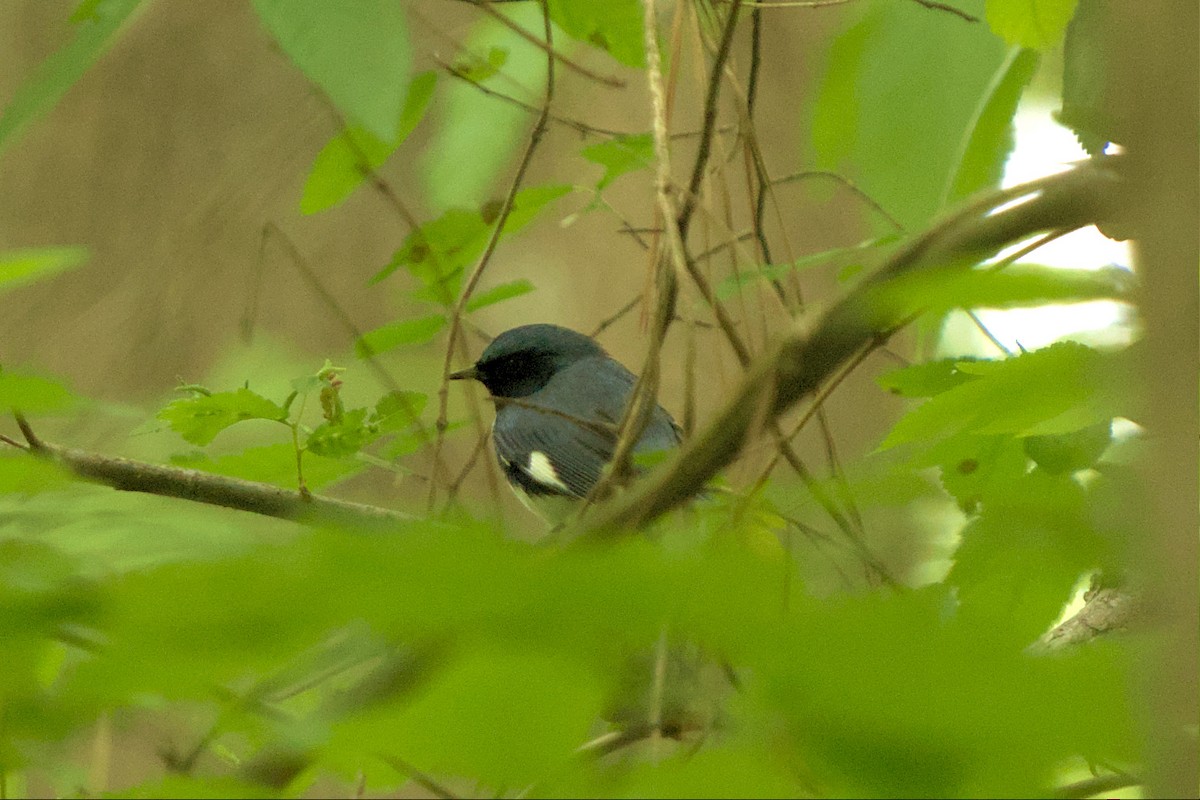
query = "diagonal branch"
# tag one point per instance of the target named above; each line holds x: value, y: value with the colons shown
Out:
x: 809, y: 354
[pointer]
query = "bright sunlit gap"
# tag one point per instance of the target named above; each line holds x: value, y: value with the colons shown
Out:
x: 1043, y: 147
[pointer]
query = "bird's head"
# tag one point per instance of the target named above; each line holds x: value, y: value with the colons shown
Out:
x: 522, y: 360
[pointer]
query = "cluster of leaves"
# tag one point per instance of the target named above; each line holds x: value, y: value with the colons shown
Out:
x: 449, y: 654
x: 330, y: 447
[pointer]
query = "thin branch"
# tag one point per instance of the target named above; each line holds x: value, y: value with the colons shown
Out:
x: 712, y: 95
x: 1098, y: 785
x: 580, y: 126
x: 339, y: 312
x: 667, y: 266
x: 849, y: 184
x: 547, y: 46
x: 949, y: 9
x: 472, y: 280
x: 128, y: 475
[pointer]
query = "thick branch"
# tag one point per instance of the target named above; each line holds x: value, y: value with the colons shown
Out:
x: 808, y: 355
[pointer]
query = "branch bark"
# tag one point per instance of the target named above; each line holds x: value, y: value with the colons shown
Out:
x: 202, y: 487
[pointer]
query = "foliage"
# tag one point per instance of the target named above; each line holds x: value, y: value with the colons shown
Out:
x: 449, y: 653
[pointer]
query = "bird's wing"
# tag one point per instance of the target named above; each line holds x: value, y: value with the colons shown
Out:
x: 557, y: 440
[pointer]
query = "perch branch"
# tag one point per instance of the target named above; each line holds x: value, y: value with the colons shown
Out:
x: 129, y: 475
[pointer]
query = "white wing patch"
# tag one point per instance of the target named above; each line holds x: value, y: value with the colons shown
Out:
x: 542, y: 471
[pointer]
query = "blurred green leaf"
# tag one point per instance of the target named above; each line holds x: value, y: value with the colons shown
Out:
x: 1058, y: 389
x: 397, y: 334
x: 1015, y: 286
x: 505, y: 716
x: 398, y: 410
x: 885, y: 114
x: 93, y: 35
x: 1019, y: 561
x: 357, y: 52
x: 22, y: 473
x: 343, y: 163
x: 19, y: 267
x: 975, y: 467
x: 1070, y: 452
x: 614, y: 26
x: 1030, y: 23
x: 33, y: 394
x: 1092, y: 105
x: 438, y: 252
x: 924, y: 380
x: 274, y: 464
x: 200, y: 419
x: 475, y: 68
x: 897, y: 696
x: 991, y: 138
x: 620, y: 155
x: 478, y: 130
x: 499, y: 293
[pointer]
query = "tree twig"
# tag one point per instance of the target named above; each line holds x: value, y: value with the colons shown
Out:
x: 266, y: 499
x: 547, y: 46
x: 456, y: 314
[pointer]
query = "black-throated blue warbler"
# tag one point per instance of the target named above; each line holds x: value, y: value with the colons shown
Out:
x: 559, y: 399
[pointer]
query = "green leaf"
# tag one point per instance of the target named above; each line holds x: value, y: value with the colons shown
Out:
x: 18, y: 267
x: 397, y: 334
x: 924, y: 380
x: 357, y: 52
x: 1018, y: 563
x: 339, y: 168
x: 528, y: 203
x: 885, y: 114
x: 1093, y: 102
x: 477, y: 69
x: 1070, y: 452
x: 26, y: 474
x: 620, y: 155
x: 477, y: 136
x: 499, y: 293
x: 543, y: 702
x: 991, y: 137
x: 398, y: 410
x: 1030, y: 23
x: 199, y: 419
x: 614, y: 26
x: 51, y: 79
x: 973, y: 468
x: 439, y: 251
x: 33, y: 394
x: 343, y: 438
x: 1058, y: 389
x: 274, y: 464
x: 1015, y: 286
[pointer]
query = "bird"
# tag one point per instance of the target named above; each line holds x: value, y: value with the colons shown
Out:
x: 559, y: 400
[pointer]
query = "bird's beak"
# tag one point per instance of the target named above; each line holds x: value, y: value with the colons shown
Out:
x: 470, y: 373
